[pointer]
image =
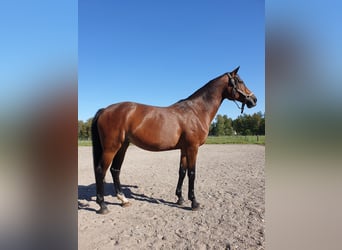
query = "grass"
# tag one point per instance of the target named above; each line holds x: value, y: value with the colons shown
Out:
x: 235, y: 139
x: 84, y: 143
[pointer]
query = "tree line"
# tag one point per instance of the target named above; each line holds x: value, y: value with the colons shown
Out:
x: 222, y: 125
x: 242, y: 125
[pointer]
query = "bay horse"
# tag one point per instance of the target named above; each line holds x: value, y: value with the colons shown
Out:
x: 183, y: 125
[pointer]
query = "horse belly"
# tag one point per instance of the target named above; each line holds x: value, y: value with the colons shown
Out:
x: 156, y: 135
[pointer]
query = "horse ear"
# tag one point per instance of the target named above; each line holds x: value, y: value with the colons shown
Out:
x: 234, y: 72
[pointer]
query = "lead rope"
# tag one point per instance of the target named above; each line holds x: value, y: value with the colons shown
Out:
x: 242, y: 107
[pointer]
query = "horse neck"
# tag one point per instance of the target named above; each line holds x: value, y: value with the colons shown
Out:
x: 208, y: 99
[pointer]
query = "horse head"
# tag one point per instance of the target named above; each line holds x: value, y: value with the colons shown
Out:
x: 238, y: 91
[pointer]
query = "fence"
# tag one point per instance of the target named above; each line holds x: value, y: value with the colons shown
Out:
x: 234, y: 139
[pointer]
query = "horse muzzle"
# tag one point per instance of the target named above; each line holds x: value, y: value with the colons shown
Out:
x: 251, y: 101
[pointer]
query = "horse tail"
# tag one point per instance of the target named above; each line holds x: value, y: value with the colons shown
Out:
x: 95, y: 137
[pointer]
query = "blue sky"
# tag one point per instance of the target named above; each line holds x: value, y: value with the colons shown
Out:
x: 158, y: 52
x: 38, y: 42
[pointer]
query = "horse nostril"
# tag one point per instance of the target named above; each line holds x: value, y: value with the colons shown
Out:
x: 255, y: 99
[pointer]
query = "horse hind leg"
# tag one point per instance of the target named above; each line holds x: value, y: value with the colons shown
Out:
x: 115, y: 171
x: 100, y: 172
x: 100, y: 191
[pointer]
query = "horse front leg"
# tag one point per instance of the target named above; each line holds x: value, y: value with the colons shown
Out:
x: 191, y: 157
x: 191, y: 195
x: 182, y: 173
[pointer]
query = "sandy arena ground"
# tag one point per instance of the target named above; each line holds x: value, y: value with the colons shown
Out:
x: 230, y: 186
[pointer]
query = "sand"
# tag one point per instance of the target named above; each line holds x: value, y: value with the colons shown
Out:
x: 230, y: 186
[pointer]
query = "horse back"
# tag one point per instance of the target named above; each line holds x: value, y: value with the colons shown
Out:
x: 149, y: 127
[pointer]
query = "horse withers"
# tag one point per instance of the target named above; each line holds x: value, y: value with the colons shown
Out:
x: 183, y: 125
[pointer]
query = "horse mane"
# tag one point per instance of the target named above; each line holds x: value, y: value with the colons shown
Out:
x: 204, y: 90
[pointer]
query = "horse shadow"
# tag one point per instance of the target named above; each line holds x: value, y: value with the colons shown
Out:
x: 88, y: 193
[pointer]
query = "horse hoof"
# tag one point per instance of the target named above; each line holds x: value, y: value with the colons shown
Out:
x: 126, y: 204
x: 195, y: 206
x: 180, y: 201
x: 103, y: 210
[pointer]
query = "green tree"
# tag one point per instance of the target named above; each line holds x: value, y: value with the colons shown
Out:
x: 80, y: 124
x: 250, y: 124
x: 219, y: 125
x: 228, y: 125
x: 243, y: 125
x: 84, y: 129
x: 261, y: 128
x: 238, y: 125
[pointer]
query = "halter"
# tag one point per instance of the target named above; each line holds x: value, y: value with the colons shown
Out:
x: 235, y: 89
